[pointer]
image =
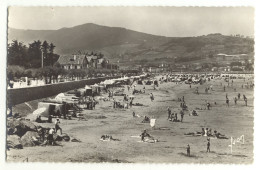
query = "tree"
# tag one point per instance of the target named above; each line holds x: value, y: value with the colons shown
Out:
x: 15, y: 71
x: 34, y: 55
x: 51, y: 48
x: 51, y: 54
x: 45, y: 48
x: 16, y: 53
x: 248, y: 65
x: 46, y: 72
x: 236, y: 63
x: 103, y: 64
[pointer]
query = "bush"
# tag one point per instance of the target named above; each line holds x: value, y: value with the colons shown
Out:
x: 15, y: 71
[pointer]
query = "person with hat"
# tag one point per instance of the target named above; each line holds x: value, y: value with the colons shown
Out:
x: 57, y: 126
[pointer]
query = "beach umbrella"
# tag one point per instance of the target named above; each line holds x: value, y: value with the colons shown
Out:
x: 39, y: 111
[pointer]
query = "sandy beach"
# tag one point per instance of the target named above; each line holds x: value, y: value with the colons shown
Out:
x: 232, y: 121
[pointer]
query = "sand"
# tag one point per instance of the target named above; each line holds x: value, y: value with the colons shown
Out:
x: 233, y: 121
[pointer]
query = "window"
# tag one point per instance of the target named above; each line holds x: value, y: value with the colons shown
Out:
x: 68, y: 67
x: 75, y: 67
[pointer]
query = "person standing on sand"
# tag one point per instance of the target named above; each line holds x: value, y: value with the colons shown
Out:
x: 208, y: 145
x: 181, y: 105
x: 235, y: 100
x: 244, y: 96
x: 224, y: 88
x: 169, y: 113
x: 114, y: 103
x: 246, y: 101
x: 57, y: 126
x: 188, y: 150
x: 50, y: 139
x: 176, y: 117
x: 151, y: 96
x: 131, y: 103
x: 227, y: 102
x: 208, y: 105
x: 182, y: 115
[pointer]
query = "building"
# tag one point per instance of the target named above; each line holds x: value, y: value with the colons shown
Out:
x: 85, y: 61
x: 231, y: 58
x: 92, y: 61
x: 73, y: 61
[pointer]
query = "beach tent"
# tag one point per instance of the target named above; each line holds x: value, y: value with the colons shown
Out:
x: 88, y: 90
x: 48, y: 108
x: 66, y: 97
x: 59, y: 97
x: 140, y: 82
x: 109, y: 82
x: 96, y: 89
x: 39, y: 111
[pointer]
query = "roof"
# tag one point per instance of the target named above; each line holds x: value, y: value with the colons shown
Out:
x: 91, y: 57
x: 69, y: 59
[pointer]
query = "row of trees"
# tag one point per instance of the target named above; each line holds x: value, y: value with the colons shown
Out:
x: 26, y: 61
x: 50, y: 73
x: 31, y: 56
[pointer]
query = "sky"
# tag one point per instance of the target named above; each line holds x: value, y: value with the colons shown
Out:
x: 165, y: 21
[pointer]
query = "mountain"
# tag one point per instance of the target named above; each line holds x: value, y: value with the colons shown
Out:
x: 132, y: 47
x: 86, y: 37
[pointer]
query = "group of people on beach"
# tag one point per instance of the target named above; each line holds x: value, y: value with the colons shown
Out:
x: 173, y: 116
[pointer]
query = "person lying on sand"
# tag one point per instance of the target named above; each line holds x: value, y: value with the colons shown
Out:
x: 219, y: 135
x: 207, y: 132
x: 146, y: 119
x: 194, y: 113
x: 193, y: 134
x: 144, y: 134
x: 108, y: 138
x: 145, y: 137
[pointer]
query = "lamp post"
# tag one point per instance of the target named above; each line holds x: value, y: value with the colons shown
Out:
x: 42, y: 58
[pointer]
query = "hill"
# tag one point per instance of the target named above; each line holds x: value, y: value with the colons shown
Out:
x: 132, y: 47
